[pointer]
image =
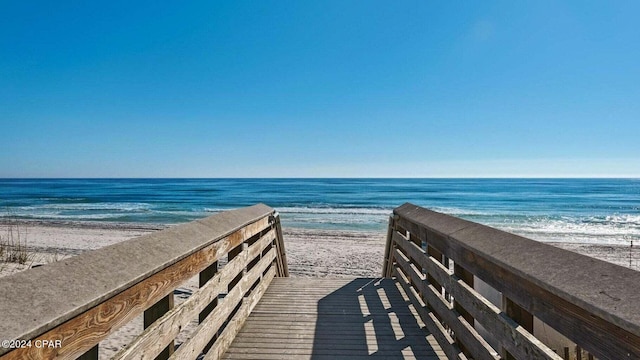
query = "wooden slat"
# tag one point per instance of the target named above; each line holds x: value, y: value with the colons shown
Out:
x: 466, y: 334
x: 205, y: 276
x: 388, y: 261
x: 412, y: 250
x: 514, y: 338
x: 55, y: 293
x: 121, y: 261
x: 282, y: 254
x: 154, y: 313
x: 323, y: 355
x: 343, y: 318
x: 233, y: 327
x: 582, y: 302
x: 467, y: 277
x: 151, y: 341
x: 210, y: 326
x: 84, y: 331
x: 445, y: 341
x: 517, y: 340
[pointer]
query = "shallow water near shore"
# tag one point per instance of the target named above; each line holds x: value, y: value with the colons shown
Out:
x: 600, y: 211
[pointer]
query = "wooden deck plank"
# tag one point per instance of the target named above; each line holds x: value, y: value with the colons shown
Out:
x: 301, y: 318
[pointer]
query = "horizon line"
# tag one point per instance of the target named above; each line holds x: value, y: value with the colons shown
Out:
x: 317, y: 177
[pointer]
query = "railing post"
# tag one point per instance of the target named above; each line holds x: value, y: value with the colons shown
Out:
x: 283, y: 267
x: 154, y: 313
x: 387, y: 266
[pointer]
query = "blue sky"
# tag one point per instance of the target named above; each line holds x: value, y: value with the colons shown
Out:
x: 319, y: 89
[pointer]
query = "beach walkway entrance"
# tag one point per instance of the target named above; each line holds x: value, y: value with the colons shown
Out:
x: 449, y: 288
x: 359, y: 318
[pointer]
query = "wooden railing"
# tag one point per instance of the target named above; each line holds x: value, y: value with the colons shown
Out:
x: 445, y: 264
x: 63, y: 310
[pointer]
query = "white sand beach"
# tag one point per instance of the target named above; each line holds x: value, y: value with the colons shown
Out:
x: 310, y: 253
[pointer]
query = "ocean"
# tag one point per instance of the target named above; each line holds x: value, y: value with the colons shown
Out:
x: 603, y: 211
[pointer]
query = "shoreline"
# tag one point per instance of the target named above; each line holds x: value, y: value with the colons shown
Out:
x: 311, y: 252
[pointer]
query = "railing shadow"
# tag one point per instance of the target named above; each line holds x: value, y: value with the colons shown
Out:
x: 369, y: 318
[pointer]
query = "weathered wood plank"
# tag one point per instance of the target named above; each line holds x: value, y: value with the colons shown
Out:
x: 57, y: 292
x: 247, y: 336
x: 211, y: 325
x: 110, y: 301
x: 467, y: 277
x: 582, y: 302
x: 324, y: 356
x: 150, y: 342
x: 338, y: 326
x: 82, y: 332
x: 520, y: 316
x: 337, y: 353
x: 233, y: 327
x: 447, y: 344
x: 518, y: 342
x: 466, y: 334
x: 516, y: 339
x: 282, y: 254
x: 154, y: 313
x: 387, y: 267
x: 204, y: 277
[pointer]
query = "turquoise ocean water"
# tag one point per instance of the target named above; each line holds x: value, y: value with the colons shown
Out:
x: 582, y: 210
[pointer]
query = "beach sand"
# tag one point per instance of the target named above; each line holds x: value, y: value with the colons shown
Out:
x: 310, y: 253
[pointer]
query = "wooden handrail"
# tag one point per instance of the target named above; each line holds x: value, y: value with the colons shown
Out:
x: 80, y: 301
x: 437, y: 258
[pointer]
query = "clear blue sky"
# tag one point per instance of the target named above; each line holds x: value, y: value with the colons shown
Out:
x: 319, y: 89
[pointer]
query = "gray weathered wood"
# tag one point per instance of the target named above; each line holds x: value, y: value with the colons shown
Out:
x: 466, y: 334
x: 58, y: 292
x: 441, y: 334
x: 204, y: 277
x: 149, y: 343
x: 582, y: 301
x: 154, y: 313
x: 334, y: 319
x: 467, y: 277
x: 520, y: 316
x: 282, y: 254
x: 234, y: 325
x: 210, y: 326
x: 516, y: 339
x: 387, y: 265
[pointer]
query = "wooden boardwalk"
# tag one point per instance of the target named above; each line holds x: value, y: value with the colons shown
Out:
x: 439, y: 273
x: 359, y: 318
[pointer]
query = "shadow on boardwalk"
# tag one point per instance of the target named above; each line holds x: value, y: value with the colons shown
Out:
x: 363, y: 318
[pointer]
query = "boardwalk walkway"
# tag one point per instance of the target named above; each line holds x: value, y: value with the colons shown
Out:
x: 360, y: 318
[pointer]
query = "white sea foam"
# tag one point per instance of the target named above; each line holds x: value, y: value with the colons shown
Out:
x: 611, y: 228
x: 460, y: 212
x: 618, y: 229
x: 84, y: 207
x: 334, y: 210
